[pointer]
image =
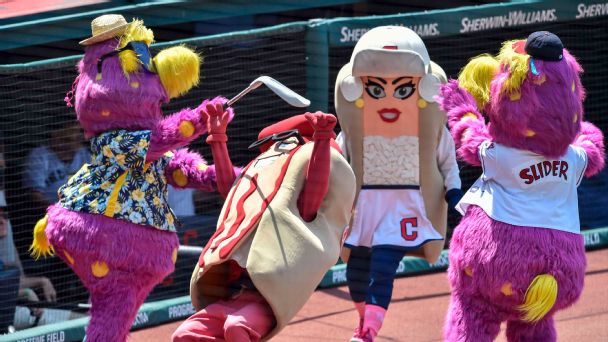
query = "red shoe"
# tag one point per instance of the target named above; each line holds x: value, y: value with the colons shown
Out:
x: 358, y: 334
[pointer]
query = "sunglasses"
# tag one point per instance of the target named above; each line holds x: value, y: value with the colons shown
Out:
x: 142, y: 51
x: 282, y: 136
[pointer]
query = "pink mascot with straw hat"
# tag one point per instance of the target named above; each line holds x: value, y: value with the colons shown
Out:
x: 112, y: 223
x: 518, y: 255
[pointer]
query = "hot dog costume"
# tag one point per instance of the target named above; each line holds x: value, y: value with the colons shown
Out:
x: 395, y: 138
x: 112, y: 224
x: 279, y: 232
x: 517, y: 255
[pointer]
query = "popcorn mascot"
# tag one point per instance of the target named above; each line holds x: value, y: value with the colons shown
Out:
x: 279, y: 232
x: 404, y: 160
x: 517, y: 255
x: 112, y: 224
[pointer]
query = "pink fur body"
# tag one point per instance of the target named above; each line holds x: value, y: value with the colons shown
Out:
x: 486, y: 254
x: 498, y: 253
x: 138, y: 258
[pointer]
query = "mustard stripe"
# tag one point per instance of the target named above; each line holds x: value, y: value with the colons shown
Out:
x: 114, y: 195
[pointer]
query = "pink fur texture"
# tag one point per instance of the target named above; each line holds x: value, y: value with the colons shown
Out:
x: 547, y: 109
x: 138, y: 258
x: 489, y: 258
x: 457, y: 102
x: 497, y: 253
x: 198, y: 174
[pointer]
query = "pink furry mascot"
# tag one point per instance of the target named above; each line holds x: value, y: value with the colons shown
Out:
x: 518, y: 255
x: 112, y: 224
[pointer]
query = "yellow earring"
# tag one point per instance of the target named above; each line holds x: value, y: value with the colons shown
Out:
x: 421, y: 103
x: 359, y: 103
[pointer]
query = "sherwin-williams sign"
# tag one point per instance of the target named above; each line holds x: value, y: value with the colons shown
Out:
x: 346, y: 32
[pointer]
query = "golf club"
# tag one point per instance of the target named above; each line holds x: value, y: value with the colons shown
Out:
x: 277, y: 87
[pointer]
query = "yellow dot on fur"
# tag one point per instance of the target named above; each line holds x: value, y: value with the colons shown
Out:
x: 506, y: 289
x: 530, y: 133
x: 105, y: 112
x: 466, y: 134
x: 68, y: 257
x: 515, y: 96
x: 186, y: 128
x: 174, y: 255
x: 202, y: 166
x: 468, y: 271
x: 421, y: 103
x: 98, y: 77
x: 135, y: 84
x: 359, y: 103
x: 540, y: 80
x: 99, y: 269
x: 468, y: 116
x: 575, y: 117
x: 179, y: 177
x: 573, y: 87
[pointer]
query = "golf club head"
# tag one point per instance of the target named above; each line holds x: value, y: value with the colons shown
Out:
x: 278, y: 88
x: 283, y: 92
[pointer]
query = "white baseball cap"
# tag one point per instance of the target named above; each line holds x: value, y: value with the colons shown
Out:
x: 391, y: 51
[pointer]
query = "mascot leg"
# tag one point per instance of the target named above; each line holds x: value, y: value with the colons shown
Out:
x: 470, y: 320
x: 118, y: 263
x: 541, y: 331
x: 115, y: 301
x: 357, y: 277
x: 246, y: 318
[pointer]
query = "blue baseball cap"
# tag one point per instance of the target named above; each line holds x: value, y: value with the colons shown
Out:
x: 544, y: 45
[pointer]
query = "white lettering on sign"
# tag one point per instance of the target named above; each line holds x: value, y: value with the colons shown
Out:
x: 592, y: 239
x: 40, y: 338
x: 338, y: 276
x: 443, y: 261
x: 141, y: 318
x: 348, y: 35
x: 513, y: 18
x: 401, y: 267
x: 589, y: 11
x: 58, y: 336
x: 182, y: 310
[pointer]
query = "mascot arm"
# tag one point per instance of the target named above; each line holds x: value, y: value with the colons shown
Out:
x: 217, y: 122
x: 446, y: 160
x: 179, y: 129
x: 466, y: 123
x: 591, y: 140
x: 316, y: 183
x: 189, y: 170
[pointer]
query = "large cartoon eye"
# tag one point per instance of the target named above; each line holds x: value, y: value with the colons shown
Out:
x: 404, y: 91
x: 374, y: 90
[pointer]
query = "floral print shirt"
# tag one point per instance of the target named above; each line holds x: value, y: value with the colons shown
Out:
x: 119, y: 184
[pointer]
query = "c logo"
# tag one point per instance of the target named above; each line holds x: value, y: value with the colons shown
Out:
x: 407, y: 231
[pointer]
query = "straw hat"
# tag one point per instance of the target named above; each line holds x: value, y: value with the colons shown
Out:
x: 105, y: 27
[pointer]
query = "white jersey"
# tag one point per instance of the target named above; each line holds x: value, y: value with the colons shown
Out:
x: 523, y: 188
x: 403, y: 223
x: 390, y: 208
